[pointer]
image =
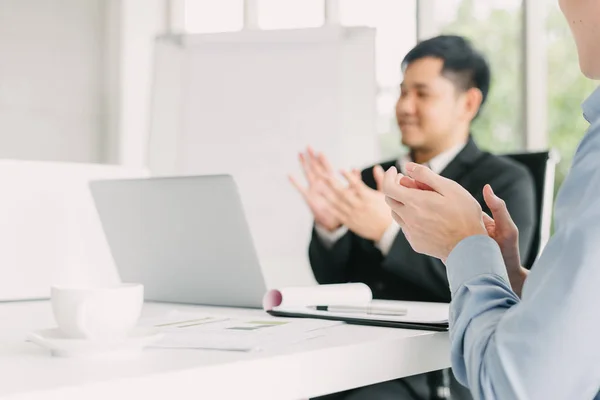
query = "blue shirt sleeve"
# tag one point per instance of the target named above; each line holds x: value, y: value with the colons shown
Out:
x: 547, y: 344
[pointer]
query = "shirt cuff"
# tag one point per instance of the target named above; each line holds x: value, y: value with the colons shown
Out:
x: 330, y: 238
x: 472, y: 257
x: 387, y: 240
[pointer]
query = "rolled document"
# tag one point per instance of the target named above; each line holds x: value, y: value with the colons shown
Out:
x: 345, y: 294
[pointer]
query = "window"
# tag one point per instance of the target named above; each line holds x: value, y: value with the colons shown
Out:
x: 567, y: 88
x: 396, y: 25
x: 494, y: 27
x: 289, y: 14
x: 208, y: 16
x: 396, y: 33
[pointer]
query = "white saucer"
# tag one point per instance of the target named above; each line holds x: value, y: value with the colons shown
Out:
x: 62, y: 346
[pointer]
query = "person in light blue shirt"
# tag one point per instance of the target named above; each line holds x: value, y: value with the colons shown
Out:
x: 514, y: 334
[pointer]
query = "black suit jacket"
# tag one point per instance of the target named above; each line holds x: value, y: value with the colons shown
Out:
x: 406, y: 275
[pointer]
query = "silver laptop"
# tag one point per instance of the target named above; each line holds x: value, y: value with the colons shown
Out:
x: 185, y: 238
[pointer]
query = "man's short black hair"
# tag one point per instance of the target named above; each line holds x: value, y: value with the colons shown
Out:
x: 463, y: 64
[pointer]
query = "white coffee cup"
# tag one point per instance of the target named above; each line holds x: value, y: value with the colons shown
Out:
x: 107, y: 313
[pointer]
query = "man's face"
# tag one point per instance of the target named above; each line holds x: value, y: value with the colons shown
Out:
x: 430, y: 107
x: 583, y: 17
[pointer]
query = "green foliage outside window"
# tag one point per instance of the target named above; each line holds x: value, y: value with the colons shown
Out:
x: 499, y: 128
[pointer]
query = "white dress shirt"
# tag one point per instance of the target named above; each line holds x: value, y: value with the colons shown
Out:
x: 437, y: 165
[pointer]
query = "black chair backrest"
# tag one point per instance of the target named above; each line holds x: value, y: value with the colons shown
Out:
x: 541, y: 165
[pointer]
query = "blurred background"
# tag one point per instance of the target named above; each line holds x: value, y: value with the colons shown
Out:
x: 499, y: 28
x: 74, y: 73
x: 78, y: 77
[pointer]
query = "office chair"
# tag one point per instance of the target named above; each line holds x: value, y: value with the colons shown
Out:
x: 542, y: 166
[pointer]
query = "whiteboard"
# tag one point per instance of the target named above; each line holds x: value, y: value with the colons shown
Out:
x: 246, y: 103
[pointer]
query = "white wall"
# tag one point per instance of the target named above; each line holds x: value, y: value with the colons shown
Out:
x: 51, y: 79
x: 75, y: 78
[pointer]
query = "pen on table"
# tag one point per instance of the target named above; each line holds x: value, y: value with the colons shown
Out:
x: 397, y: 312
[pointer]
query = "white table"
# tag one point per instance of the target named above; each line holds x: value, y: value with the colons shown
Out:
x: 346, y: 357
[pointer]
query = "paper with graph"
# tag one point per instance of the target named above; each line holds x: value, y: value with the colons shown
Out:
x: 219, y: 332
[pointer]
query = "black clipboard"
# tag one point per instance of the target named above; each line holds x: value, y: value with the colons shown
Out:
x: 437, y: 327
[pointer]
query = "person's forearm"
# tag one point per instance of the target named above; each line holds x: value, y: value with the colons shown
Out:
x: 506, y: 348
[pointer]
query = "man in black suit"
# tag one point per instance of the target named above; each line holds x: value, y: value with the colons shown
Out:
x: 355, y: 239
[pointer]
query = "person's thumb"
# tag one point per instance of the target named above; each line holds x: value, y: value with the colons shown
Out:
x: 487, y: 220
x: 489, y: 223
x: 496, y: 205
x: 424, y: 175
x: 378, y: 174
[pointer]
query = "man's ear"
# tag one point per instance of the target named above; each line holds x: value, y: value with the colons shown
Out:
x: 473, y: 99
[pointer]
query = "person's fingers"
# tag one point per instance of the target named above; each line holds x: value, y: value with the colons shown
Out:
x: 316, y: 162
x: 324, y: 163
x: 392, y: 188
x: 489, y: 223
x: 334, y: 184
x: 496, y: 205
x: 351, y: 195
x: 357, y: 174
x: 408, y: 182
x: 398, y: 178
x: 354, y: 181
x: 398, y: 219
x: 307, y: 168
x: 340, y: 208
x: 319, y: 164
x: 328, y: 206
x: 424, y: 175
x: 394, y: 205
x: 319, y: 169
x: 352, y: 198
x: 321, y: 174
x: 411, y: 183
x: 487, y: 220
x: 391, y: 178
x: 324, y: 194
x: 339, y: 215
x: 396, y: 209
x: 378, y: 175
x: 329, y: 190
x: 336, y: 198
x: 310, y: 152
x: 301, y: 189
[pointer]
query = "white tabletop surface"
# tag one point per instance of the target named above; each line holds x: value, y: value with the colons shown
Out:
x: 347, y: 356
